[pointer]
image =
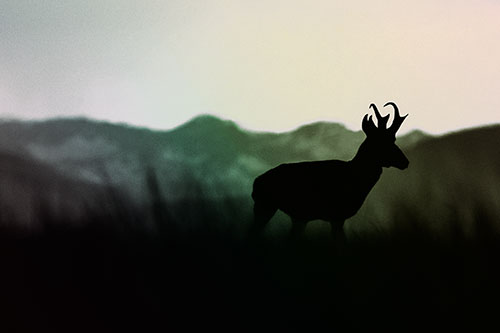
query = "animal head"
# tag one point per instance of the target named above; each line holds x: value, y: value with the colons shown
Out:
x: 381, y: 141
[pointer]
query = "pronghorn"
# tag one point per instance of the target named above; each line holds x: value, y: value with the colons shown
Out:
x: 329, y: 190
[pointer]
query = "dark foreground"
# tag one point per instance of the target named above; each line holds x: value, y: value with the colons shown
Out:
x: 106, y: 275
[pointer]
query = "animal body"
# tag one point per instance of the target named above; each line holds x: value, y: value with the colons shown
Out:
x: 330, y: 190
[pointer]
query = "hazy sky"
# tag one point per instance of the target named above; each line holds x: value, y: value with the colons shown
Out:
x: 267, y: 64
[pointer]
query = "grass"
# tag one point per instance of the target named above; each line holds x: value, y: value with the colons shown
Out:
x: 108, y: 272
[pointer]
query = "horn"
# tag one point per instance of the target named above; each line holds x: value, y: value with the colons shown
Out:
x: 398, y: 120
x: 382, y: 121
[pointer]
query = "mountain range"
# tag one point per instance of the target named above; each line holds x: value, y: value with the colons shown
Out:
x: 210, y: 150
x: 212, y: 158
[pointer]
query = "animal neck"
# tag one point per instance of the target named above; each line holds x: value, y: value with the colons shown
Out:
x: 367, y: 162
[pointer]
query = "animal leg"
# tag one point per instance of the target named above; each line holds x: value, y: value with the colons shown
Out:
x: 338, y: 235
x: 262, y: 214
x: 298, y: 228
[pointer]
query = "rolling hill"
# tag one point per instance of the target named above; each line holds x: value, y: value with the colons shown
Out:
x: 452, y: 177
x: 221, y: 158
x: 453, y: 182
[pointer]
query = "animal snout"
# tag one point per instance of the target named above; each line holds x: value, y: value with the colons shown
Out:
x: 404, y: 165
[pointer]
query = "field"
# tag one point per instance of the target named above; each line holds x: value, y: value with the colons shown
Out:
x: 168, y: 249
x: 107, y: 272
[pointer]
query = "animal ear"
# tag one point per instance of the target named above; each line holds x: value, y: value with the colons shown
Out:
x: 368, y: 125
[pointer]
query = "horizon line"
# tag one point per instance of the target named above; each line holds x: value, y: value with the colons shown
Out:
x: 10, y: 118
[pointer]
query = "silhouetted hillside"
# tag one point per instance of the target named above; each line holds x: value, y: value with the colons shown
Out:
x: 212, y: 159
x: 221, y: 158
x: 451, y: 182
x: 423, y: 251
x: 27, y: 186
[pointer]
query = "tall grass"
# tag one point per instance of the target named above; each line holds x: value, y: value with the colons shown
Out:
x: 126, y: 268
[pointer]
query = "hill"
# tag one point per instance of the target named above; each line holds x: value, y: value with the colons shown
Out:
x: 212, y: 155
x: 29, y: 188
x: 452, y: 182
x: 450, y: 178
x: 433, y: 258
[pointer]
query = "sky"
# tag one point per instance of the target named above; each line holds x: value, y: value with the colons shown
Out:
x: 269, y: 65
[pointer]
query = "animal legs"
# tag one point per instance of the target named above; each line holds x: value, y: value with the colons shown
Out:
x: 338, y: 235
x: 298, y: 229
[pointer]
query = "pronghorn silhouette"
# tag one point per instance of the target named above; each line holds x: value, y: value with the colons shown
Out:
x: 330, y: 190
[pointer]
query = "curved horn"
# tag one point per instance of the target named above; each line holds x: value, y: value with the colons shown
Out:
x: 382, y: 121
x: 398, y: 120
